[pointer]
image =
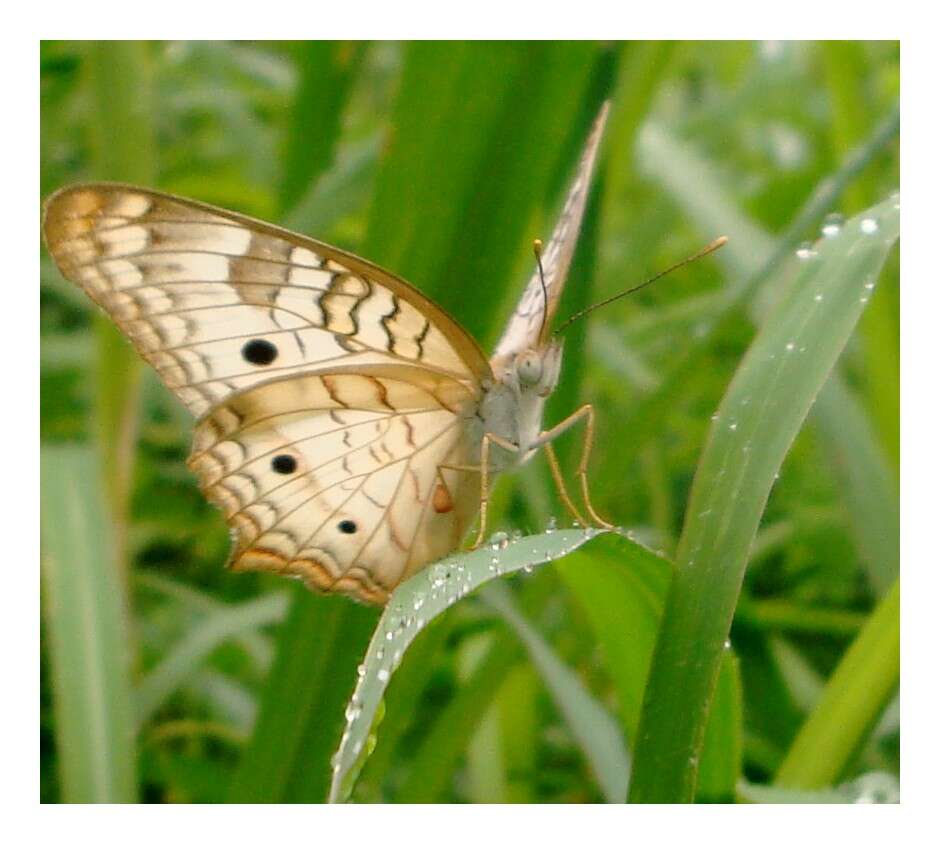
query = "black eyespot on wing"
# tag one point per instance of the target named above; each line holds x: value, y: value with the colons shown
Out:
x: 284, y: 464
x: 347, y: 526
x: 259, y: 352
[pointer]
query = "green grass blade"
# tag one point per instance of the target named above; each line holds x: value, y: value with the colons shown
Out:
x: 327, y: 70
x: 479, y: 132
x: 869, y: 486
x: 85, y: 620
x: 412, y: 606
x: 761, y: 413
x: 431, y: 768
x: 116, y: 81
x: 596, y: 732
x: 199, y: 643
x: 301, y: 712
x: 341, y: 190
x: 256, y: 645
x: 857, y: 692
x: 119, y: 85
x: 621, y: 587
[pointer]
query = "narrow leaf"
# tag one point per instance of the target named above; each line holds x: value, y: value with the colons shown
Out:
x: 760, y: 415
x: 85, y: 618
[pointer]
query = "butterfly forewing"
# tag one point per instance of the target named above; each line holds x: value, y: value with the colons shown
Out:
x: 530, y: 322
x: 217, y: 302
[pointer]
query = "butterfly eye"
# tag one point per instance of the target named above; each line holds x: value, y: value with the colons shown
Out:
x: 347, y: 526
x: 259, y: 352
x: 529, y: 367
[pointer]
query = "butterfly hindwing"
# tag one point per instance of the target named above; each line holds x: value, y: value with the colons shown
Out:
x: 334, y: 477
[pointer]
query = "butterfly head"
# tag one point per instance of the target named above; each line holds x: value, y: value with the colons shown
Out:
x: 535, y: 371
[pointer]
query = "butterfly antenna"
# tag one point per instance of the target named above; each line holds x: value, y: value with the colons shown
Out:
x: 537, y: 249
x: 717, y: 243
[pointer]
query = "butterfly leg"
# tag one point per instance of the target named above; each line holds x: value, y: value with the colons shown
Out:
x: 560, y: 484
x: 545, y: 438
x: 484, y: 470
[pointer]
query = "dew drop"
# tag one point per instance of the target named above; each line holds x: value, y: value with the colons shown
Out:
x: 790, y: 346
x: 832, y: 225
x: 869, y: 225
x: 818, y: 297
x: 438, y: 574
x: 805, y: 251
x: 551, y: 526
x: 499, y: 540
x: 361, y: 670
x: 733, y: 426
x: 383, y: 675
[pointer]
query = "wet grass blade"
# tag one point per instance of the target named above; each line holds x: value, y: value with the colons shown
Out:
x: 760, y: 414
x: 413, y: 605
x: 858, y: 690
x: 598, y: 734
x: 85, y: 620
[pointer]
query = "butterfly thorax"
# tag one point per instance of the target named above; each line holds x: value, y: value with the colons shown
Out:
x: 512, y: 407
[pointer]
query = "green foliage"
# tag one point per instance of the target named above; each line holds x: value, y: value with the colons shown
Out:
x: 442, y: 162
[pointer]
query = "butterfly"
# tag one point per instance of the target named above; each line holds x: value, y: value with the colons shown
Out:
x: 348, y: 428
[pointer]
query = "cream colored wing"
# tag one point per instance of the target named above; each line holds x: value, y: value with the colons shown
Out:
x: 529, y: 325
x: 334, y: 476
x: 217, y: 302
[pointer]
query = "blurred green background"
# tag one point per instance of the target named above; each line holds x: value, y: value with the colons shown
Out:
x: 167, y: 678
